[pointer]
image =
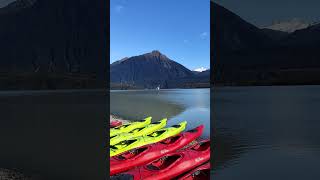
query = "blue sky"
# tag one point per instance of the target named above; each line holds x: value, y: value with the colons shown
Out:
x: 177, y: 28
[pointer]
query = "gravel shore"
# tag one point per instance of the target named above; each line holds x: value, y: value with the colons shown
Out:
x: 6, y: 174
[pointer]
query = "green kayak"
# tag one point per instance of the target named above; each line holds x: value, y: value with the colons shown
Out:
x: 138, y: 132
x: 156, y: 136
x: 130, y: 126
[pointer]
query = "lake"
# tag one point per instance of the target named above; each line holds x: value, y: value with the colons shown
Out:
x: 267, y: 132
x: 54, y: 134
x: 191, y: 105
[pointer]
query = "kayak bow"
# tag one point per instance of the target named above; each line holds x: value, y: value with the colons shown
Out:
x: 130, y: 126
x: 138, y: 132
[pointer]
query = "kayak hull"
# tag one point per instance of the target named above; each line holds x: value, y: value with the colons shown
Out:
x: 171, y: 165
x: 148, y: 153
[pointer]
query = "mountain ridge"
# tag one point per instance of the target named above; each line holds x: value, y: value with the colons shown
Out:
x: 150, y: 70
x: 54, y: 38
x: 290, y: 58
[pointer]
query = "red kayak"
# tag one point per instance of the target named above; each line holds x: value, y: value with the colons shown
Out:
x: 115, y: 124
x: 148, y: 153
x: 200, y: 173
x: 171, y: 165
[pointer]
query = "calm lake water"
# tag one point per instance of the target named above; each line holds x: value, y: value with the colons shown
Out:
x: 54, y: 134
x: 267, y: 132
x: 191, y: 105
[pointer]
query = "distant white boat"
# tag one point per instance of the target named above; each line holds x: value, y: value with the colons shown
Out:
x: 158, y: 88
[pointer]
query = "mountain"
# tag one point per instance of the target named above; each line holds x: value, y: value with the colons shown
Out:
x: 205, y: 73
x: 275, y: 35
x: 262, y: 56
x: 149, y: 71
x: 16, y: 6
x: 234, y: 33
x: 59, y: 39
x: 289, y: 26
x: 304, y: 38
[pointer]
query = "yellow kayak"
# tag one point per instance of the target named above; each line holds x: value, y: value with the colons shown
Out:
x: 130, y: 126
x: 156, y: 136
x: 138, y: 132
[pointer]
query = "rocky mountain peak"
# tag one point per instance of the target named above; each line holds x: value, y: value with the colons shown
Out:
x: 156, y: 52
x: 290, y: 25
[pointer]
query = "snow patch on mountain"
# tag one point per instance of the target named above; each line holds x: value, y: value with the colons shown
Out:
x: 200, y: 69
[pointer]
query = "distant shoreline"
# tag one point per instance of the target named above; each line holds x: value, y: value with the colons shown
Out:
x: 137, y: 88
x: 261, y: 85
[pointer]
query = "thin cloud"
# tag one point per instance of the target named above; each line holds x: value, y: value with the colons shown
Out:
x: 119, y: 8
x: 204, y: 35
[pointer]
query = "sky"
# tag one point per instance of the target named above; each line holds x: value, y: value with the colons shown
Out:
x: 177, y: 28
x: 264, y: 12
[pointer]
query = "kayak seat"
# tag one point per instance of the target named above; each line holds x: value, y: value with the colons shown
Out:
x: 164, y: 162
x: 157, y: 133
x: 170, y: 140
x: 201, y: 175
x: 202, y: 146
x: 176, y: 126
x: 131, y: 154
x: 136, y: 130
x: 193, y: 130
x: 123, y: 144
x: 123, y: 126
x: 122, y: 177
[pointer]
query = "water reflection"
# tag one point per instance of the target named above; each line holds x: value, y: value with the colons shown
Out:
x: 267, y: 132
x: 191, y: 105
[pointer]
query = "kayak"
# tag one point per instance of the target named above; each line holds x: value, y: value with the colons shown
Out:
x: 148, y: 153
x: 115, y: 124
x: 138, y: 132
x: 200, y: 173
x: 171, y: 165
x: 149, y: 139
x: 130, y: 126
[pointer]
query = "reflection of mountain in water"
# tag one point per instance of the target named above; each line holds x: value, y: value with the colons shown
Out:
x: 243, y: 54
x: 140, y: 105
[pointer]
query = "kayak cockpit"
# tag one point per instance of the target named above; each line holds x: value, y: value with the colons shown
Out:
x: 131, y: 154
x: 202, y: 146
x: 170, y: 140
x: 163, y: 162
